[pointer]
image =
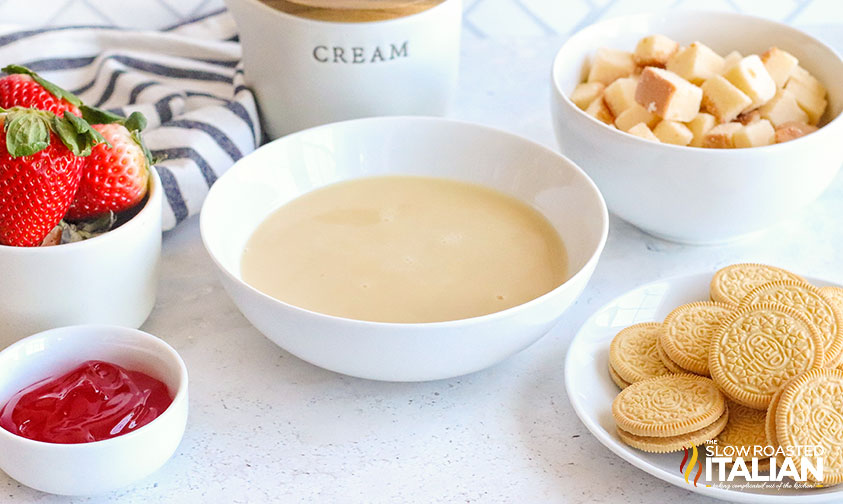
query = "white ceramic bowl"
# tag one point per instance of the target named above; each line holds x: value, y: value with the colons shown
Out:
x: 291, y: 166
x: 110, y: 279
x: 101, y: 466
x: 690, y: 194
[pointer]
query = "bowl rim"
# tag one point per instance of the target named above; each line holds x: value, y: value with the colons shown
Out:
x: 163, y: 349
x: 583, y: 271
x: 365, y: 24
x: 836, y: 122
x: 153, y: 204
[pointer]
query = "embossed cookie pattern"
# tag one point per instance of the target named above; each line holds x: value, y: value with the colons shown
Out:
x: 687, y: 333
x: 771, y: 343
x: 809, y: 301
x: 732, y: 283
x: 810, y: 413
x: 745, y: 428
x: 759, y: 348
x: 668, y: 405
x: 633, y: 354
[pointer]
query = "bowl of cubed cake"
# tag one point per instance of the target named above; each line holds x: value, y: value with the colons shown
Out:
x: 700, y: 127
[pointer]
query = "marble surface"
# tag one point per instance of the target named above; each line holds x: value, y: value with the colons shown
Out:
x: 267, y: 427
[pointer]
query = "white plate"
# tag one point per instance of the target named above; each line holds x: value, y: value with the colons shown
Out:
x: 591, y: 390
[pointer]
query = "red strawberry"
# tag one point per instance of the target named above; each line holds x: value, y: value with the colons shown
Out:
x: 40, y: 169
x: 116, y: 176
x: 24, y: 88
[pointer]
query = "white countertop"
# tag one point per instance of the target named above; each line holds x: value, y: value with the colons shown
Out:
x: 267, y: 427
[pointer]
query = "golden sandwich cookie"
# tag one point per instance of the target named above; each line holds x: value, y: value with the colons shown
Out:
x: 675, y: 443
x: 745, y: 429
x: 810, y: 413
x: 811, y: 302
x: 620, y: 382
x: 687, y: 332
x: 759, y: 348
x: 670, y: 405
x: 633, y: 355
x: 770, y: 423
x: 732, y: 283
x: 669, y: 364
x: 835, y: 294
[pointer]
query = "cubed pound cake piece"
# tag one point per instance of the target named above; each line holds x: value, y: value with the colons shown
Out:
x: 779, y: 64
x: 809, y: 93
x: 783, y: 108
x: 750, y: 76
x: 696, y: 63
x: 585, y: 93
x: 793, y: 130
x: 620, y: 95
x: 722, y: 136
x: 598, y: 110
x: 731, y: 60
x: 634, y: 115
x: 673, y: 132
x: 723, y: 99
x: 642, y: 131
x: 667, y: 95
x: 749, y: 117
x: 609, y: 65
x: 699, y: 126
x: 654, y: 50
x: 756, y: 134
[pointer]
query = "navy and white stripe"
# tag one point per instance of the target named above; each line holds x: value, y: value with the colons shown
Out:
x: 185, y: 79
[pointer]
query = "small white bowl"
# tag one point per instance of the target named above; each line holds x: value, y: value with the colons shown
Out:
x: 291, y: 166
x: 690, y: 194
x: 101, y: 466
x: 110, y: 279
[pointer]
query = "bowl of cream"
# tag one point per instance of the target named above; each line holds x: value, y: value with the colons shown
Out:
x: 404, y: 248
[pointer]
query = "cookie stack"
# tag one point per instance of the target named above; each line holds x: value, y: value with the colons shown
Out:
x: 669, y: 413
x: 767, y: 340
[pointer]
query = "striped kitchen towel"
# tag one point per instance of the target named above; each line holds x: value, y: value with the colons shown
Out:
x: 186, y: 80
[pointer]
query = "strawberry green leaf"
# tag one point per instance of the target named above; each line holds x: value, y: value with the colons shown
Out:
x: 70, y: 137
x: 84, y: 230
x: 96, y: 115
x: 135, y: 122
x: 27, y: 132
x: 76, y: 133
x: 64, y: 129
x: 54, y: 89
x: 79, y: 125
x: 136, y: 136
x: 84, y: 128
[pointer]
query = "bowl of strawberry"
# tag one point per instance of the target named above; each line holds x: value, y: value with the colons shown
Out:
x: 80, y: 211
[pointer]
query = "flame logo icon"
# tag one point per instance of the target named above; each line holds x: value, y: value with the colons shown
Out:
x: 686, y: 470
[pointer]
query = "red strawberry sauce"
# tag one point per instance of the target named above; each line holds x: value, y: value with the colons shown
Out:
x: 95, y: 401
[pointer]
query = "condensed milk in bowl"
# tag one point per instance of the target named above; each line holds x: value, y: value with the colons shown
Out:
x: 312, y: 62
x: 404, y: 248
